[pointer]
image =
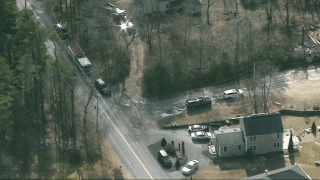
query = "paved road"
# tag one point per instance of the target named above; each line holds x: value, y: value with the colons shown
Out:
x: 137, y: 148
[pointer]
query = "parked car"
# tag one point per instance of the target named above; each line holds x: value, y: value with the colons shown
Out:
x: 110, y: 7
x: 199, y: 101
x: 190, y: 168
x: 102, y: 86
x: 164, y: 159
x: 62, y: 31
x: 195, y: 128
x: 233, y: 93
x: 200, y: 135
x: 317, y: 163
x: 318, y: 128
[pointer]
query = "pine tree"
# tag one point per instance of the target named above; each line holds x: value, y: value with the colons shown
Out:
x: 182, y: 148
x: 314, y: 128
x: 163, y: 142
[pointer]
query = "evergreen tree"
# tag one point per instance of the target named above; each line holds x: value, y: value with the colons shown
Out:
x: 163, y: 142
x: 314, y: 128
x: 178, y: 164
x: 182, y: 148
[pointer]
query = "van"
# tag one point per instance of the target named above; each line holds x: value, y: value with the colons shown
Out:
x: 164, y: 159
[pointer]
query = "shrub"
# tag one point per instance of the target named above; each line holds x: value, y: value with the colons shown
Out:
x: 313, y: 127
x: 316, y: 107
x: 178, y: 164
x: 182, y: 148
x: 163, y: 142
x: 170, y: 150
x: 250, y: 154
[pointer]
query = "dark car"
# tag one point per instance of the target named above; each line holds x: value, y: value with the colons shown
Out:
x: 64, y: 36
x: 62, y: 31
x: 102, y: 86
x: 164, y: 159
x: 199, y: 101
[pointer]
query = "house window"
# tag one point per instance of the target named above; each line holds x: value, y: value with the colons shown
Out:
x: 253, y: 147
x: 253, y: 138
x: 239, y: 147
x: 276, y: 136
x: 225, y: 149
x: 167, y: 5
x: 276, y: 145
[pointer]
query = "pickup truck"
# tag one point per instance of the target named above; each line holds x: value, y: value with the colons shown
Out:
x: 199, y: 101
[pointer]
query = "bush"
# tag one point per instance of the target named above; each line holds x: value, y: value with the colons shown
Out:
x: 316, y: 108
x: 170, y: 150
x: 314, y: 128
x: 250, y: 154
x: 178, y: 164
x: 163, y: 142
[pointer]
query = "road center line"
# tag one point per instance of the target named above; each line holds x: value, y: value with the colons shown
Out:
x: 125, y: 141
x: 122, y: 137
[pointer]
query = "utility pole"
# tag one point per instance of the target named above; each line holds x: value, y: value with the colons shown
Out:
x: 25, y: 4
x: 304, y: 50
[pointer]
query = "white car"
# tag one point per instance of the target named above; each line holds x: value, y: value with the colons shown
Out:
x: 318, y: 128
x: 200, y: 135
x: 233, y: 93
x: 190, y: 168
x: 195, y: 128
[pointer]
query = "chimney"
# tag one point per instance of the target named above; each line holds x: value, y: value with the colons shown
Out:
x: 266, y: 172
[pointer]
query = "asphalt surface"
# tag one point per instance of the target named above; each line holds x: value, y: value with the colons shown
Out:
x: 137, y: 148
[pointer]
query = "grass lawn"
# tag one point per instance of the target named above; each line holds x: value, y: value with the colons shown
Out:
x: 308, y: 155
x: 214, y: 172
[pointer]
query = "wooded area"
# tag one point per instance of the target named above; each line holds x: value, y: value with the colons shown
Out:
x: 43, y: 128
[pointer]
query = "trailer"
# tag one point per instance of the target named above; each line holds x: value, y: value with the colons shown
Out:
x: 80, y: 59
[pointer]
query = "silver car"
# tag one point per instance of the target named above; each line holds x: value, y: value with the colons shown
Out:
x: 190, y: 168
x: 200, y: 135
x: 233, y: 93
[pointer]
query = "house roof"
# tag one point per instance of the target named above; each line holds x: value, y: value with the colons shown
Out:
x: 290, y: 172
x: 76, y: 49
x: 230, y: 136
x: 262, y: 124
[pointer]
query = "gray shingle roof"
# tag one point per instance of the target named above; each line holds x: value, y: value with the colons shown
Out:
x: 262, y: 124
x: 290, y: 172
x: 231, y: 136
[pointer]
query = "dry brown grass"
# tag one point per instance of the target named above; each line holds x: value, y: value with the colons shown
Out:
x: 304, y: 94
x: 213, y: 172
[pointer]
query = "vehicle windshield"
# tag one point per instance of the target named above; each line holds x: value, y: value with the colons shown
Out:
x: 188, y: 166
x: 104, y: 86
x: 166, y: 158
x: 63, y: 30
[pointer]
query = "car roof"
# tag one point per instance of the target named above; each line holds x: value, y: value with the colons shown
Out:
x: 163, y: 153
x: 100, y: 81
x: 191, y: 163
x: 196, y: 126
x: 200, y: 133
x: 84, y: 62
x: 194, y: 99
x: 230, y: 91
x: 60, y: 26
